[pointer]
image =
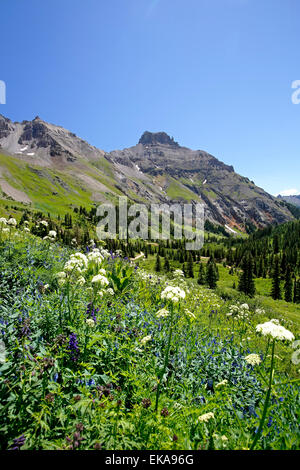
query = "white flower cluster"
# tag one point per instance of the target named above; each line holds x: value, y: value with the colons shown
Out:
x: 178, y: 273
x: 162, y: 313
x: 95, y: 257
x: 80, y: 281
x: 51, y: 235
x: 239, y: 311
x: 172, y: 293
x: 223, y: 438
x: 12, y: 222
x: 144, y: 276
x: 145, y: 340
x: 79, y: 268
x: 253, y: 359
x: 206, y: 417
x: 100, y: 279
x: 76, y: 264
x: 260, y: 311
x: 90, y: 323
x: 275, y: 330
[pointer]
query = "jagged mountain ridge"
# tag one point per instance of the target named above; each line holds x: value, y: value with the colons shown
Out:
x: 291, y: 199
x: 156, y: 170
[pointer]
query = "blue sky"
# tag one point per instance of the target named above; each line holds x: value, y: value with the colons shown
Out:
x: 215, y: 74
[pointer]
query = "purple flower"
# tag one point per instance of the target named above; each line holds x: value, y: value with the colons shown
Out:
x: 73, y: 347
x: 91, y: 311
x: 18, y: 443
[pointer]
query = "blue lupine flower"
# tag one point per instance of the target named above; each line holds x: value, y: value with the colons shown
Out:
x: 73, y: 347
x: 269, y: 424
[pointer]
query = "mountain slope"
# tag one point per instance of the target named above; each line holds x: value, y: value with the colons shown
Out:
x: 184, y: 174
x: 52, y: 169
x: 291, y: 199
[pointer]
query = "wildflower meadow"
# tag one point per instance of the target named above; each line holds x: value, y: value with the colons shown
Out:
x: 99, y: 353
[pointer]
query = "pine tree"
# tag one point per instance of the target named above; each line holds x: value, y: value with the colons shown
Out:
x: 211, y: 275
x: 201, y: 275
x: 297, y: 292
x: 276, y: 289
x: 288, y: 286
x: 167, y: 265
x: 246, y: 281
x: 276, y: 244
x: 157, y: 264
x: 190, y: 267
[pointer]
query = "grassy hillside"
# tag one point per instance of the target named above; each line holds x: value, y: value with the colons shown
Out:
x: 95, y: 356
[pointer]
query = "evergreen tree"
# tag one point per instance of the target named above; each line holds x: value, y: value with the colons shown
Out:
x: 288, y: 286
x: 157, y: 264
x: 190, y: 267
x: 201, y: 275
x: 297, y: 291
x: 211, y: 275
x: 167, y: 265
x: 276, y: 289
x: 246, y: 282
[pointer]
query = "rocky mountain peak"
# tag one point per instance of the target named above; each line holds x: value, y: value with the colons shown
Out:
x: 156, y: 138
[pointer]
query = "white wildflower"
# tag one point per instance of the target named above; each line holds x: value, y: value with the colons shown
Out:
x: 61, y: 275
x: 12, y: 222
x: 178, y: 273
x: 162, y: 313
x: 95, y: 257
x: 276, y: 331
x: 81, y: 281
x: 90, y: 323
x: 145, y: 340
x: 206, y: 417
x: 244, y: 306
x: 253, y: 359
x: 174, y: 294
x: 100, y: 279
x: 52, y: 234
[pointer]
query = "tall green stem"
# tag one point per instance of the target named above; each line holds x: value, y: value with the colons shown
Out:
x: 258, y: 434
x: 163, y: 370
